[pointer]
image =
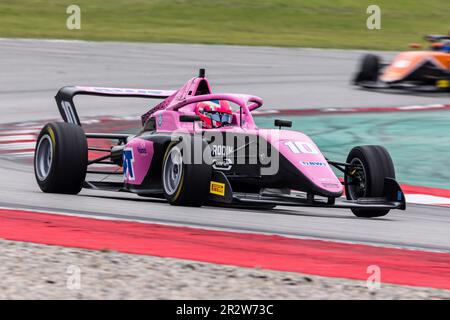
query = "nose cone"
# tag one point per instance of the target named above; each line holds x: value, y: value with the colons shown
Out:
x: 310, y: 168
x: 313, y: 165
x: 402, y: 65
x: 407, y: 62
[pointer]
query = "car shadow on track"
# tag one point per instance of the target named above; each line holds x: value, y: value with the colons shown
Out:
x: 274, y: 211
x: 153, y: 200
x: 404, y: 92
x: 346, y: 215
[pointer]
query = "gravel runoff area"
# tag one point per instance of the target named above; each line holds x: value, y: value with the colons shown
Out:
x: 35, y: 271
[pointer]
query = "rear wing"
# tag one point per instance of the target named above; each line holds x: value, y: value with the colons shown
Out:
x: 436, y: 37
x: 66, y: 106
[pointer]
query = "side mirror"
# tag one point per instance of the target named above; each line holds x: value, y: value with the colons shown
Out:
x: 415, y: 45
x: 282, y: 123
x: 189, y: 118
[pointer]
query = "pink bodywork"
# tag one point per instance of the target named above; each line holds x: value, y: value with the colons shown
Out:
x: 142, y: 151
x: 295, y: 146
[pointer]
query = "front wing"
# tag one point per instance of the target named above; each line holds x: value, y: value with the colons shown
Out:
x: 393, y: 197
x: 406, y: 86
x: 222, y: 193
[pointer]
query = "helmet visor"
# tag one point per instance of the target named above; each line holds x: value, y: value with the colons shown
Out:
x: 221, y: 117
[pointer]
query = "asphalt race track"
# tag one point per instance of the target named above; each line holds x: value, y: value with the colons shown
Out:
x: 32, y: 71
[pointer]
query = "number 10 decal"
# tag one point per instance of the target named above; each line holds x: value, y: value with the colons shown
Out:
x: 301, y: 147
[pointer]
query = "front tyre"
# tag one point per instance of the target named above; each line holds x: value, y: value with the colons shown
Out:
x: 184, y: 184
x: 61, y: 158
x: 369, y: 69
x: 365, y: 177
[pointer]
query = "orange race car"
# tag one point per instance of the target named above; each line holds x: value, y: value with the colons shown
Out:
x: 425, y: 70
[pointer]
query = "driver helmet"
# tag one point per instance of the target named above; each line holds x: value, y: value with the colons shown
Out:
x: 214, y: 113
x: 437, y: 46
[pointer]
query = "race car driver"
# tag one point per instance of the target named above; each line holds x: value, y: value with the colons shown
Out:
x: 214, y: 113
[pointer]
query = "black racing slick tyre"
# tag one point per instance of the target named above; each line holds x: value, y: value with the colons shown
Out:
x: 365, y: 177
x: 369, y: 69
x: 61, y: 158
x: 185, y: 183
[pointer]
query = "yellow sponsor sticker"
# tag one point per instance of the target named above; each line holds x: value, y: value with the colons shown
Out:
x: 443, y: 83
x: 52, y: 137
x: 217, y: 188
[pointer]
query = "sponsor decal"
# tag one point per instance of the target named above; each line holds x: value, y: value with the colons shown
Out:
x: 160, y: 120
x: 313, y: 163
x: 217, y: 188
x: 224, y: 164
x: 220, y: 151
x: 443, y: 83
x: 127, y: 91
x: 301, y: 147
x: 401, y: 64
x: 330, y: 185
x: 68, y: 111
x: 52, y: 137
x: 128, y: 161
x: 141, y: 148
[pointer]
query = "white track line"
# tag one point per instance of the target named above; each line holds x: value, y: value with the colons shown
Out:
x: 18, y: 146
x: 17, y: 138
x: 426, y: 199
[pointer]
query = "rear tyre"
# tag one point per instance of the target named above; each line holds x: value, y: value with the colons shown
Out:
x: 369, y: 69
x: 184, y: 184
x: 365, y: 178
x: 61, y: 158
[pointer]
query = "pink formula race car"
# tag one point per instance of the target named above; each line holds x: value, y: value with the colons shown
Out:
x: 198, y: 147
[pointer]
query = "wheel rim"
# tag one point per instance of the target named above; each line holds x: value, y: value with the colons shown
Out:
x: 44, y: 157
x: 357, y: 186
x: 172, y: 171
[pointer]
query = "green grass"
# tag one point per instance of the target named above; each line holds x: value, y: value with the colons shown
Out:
x: 293, y: 23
